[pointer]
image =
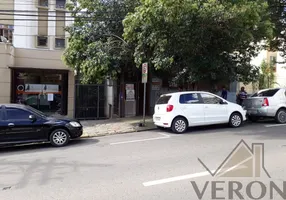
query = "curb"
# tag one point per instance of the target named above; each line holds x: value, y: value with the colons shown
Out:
x: 117, y: 133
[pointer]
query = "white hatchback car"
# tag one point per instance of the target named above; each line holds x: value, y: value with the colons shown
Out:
x: 181, y: 110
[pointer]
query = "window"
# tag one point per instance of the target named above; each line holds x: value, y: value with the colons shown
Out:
x: 61, y: 4
x: 42, y: 41
x: 7, y: 32
x: 210, y: 99
x: 266, y: 93
x: 43, y: 3
x: 17, y: 114
x: 1, y: 113
x: 60, y: 43
x: 189, y: 98
x: 163, y: 100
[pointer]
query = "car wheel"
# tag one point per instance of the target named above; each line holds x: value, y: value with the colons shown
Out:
x: 59, y: 137
x: 235, y: 120
x: 281, y: 116
x: 253, y: 118
x: 179, y: 125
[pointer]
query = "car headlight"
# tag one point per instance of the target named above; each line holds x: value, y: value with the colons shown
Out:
x: 75, y: 124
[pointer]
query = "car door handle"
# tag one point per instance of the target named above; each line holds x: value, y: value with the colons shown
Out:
x: 11, y: 125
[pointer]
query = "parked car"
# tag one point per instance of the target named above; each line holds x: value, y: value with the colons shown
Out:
x: 21, y: 124
x: 181, y: 110
x: 267, y: 103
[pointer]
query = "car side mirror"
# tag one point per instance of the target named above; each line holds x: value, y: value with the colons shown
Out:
x: 32, y: 118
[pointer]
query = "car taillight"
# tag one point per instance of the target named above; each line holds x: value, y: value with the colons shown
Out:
x: 265, y: 102
x: 170, y: 108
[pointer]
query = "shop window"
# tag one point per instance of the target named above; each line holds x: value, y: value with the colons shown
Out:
x: 60, y: 43
x: 43, y: 90
x: 42, y: 41
x: 43, y: 3
x: 7, y: 32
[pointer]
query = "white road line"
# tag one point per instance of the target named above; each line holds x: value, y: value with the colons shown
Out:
x: 177, y: 178
x: 165, y: 136
x: 274, y: 125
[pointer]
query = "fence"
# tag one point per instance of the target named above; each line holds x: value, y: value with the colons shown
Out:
x: 90, y: 102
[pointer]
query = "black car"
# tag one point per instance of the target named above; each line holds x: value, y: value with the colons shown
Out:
x: 21, y: 124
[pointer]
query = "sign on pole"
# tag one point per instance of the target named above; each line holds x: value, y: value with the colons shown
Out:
x: 144, y: 72
x: 144, y: 81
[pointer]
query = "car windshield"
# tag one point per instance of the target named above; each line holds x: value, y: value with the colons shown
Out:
x: 265, y: 93
x: 37, y: 112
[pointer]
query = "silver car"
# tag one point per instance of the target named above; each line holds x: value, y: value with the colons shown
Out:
x: 267, y: 103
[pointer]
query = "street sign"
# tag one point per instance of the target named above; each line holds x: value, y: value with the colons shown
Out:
x: 144, y: 72
x: 144, y: 81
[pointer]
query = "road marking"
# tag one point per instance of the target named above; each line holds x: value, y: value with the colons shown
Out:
x: 274, y: 125
x: 177, y: 178
x: 165, y: 136
x: 195, y: 175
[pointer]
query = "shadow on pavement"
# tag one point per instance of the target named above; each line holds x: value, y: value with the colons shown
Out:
x: 35, y: 148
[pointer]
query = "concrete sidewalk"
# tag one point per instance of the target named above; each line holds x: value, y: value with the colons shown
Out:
x: 94, y: 128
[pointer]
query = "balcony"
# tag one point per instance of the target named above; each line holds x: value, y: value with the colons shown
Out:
x: 43, y: 3
x: 60, y: 4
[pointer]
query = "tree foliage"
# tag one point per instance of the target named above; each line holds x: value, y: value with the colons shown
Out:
x: 95, y: 46
x: 266, y: 76
x: 277, y: 14
x: 200, y: 40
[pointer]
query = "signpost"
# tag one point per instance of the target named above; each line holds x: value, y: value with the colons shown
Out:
x: 144, y: 81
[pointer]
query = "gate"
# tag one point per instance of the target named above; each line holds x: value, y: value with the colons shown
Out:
x: 90, y: 102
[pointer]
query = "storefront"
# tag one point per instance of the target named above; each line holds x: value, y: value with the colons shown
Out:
x: 43, y: 89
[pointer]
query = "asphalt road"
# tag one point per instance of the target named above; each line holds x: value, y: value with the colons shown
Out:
x: 146, y: 165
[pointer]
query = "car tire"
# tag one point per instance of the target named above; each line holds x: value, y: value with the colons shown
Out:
x: 59, y: 138
x: 179, y: 125
x: 280, y: 116
x: 253, y: 118
x: 235, y: 120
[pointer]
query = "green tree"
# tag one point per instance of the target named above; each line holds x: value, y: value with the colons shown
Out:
x: 277, y: 14
x: 95, y: 46
x: 266, y: 76
x: 200, y: 40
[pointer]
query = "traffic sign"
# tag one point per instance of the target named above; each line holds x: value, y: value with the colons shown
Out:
x: 144, y: 72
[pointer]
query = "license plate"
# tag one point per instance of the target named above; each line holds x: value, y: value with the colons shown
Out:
x: 157, y: 118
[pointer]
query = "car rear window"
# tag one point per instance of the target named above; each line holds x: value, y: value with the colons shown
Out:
x: 163, y: 99
x: 266, y: 93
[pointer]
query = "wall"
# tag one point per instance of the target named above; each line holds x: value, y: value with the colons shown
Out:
x: 280, y: 71
x: 6, y: 58
x: 30, y: 58
x: 7, y: 5
x: 25, y: 31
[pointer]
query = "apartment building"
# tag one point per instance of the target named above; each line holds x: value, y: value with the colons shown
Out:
x: 279, y: 67
x: 31, y: 69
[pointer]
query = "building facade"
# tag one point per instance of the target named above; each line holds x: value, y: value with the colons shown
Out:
x: 31, y: 69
